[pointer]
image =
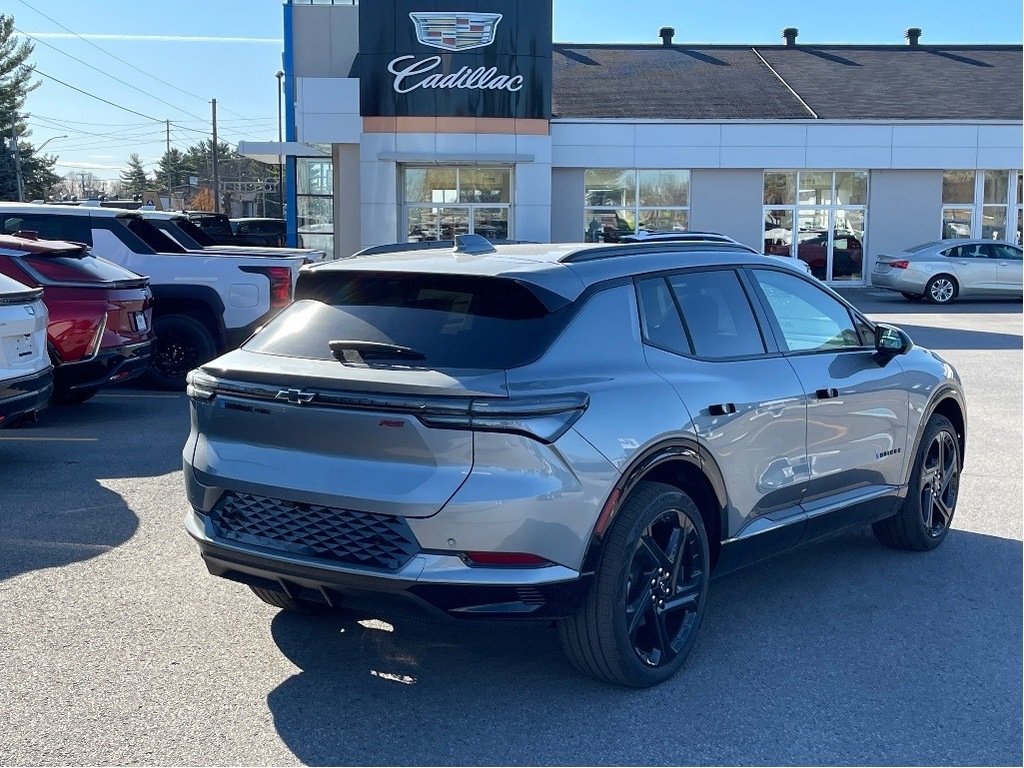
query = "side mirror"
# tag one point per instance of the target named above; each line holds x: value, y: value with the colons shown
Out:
x: 891, y: 341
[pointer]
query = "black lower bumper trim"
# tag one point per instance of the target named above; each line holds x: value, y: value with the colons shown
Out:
x: 384, y: 597
x: 109, y: 366
x: 25, y: 395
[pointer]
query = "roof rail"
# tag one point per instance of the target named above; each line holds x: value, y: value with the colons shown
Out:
x: 634, y: 249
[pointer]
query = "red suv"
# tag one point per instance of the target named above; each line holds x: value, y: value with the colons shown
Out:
x: 101, y: 314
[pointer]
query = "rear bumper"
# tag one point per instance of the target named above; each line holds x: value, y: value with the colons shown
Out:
x: 116, y: 364
x: 429, y: 584
x: 25, y: 395
x: 902, y: 280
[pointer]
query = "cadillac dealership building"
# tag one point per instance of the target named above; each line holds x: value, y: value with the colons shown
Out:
x: 421, y: 119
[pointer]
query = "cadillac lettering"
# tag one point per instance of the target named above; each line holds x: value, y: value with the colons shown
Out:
x: 406, y: 69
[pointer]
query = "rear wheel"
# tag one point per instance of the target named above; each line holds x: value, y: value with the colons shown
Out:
x: 182, y: 343
x: 641, y: 617
x: 924, y: 519
x: 912, y: 296
x: 941, y: 289
x: 290, y: 604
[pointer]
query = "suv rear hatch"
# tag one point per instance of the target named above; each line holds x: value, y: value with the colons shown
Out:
x: 365, y: 393
x: 22, y: 330
x: 78, y: 285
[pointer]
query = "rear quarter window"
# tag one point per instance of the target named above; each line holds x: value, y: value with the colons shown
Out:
x: 80, y: 267
x: 454, y: 321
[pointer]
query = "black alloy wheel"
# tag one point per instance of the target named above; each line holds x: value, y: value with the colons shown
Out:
x: 181, y: 344
x: 924, y: 518
x: 664, y: 588
x: 641, y: 617
x: 940, y: 483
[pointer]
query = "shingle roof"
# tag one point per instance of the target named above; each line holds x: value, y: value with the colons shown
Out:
x: 836, y: 82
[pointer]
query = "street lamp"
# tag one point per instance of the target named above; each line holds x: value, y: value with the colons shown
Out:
x: 40, y: 147
x: 280, y: 141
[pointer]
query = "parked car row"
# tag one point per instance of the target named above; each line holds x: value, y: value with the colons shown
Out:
x: 206, y: 299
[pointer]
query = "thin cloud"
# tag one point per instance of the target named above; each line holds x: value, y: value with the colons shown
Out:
x: 157, y: 38
x: 89, y: 166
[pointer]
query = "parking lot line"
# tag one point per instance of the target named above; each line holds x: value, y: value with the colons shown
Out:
x: 143, y: 395
x: 38, y: 439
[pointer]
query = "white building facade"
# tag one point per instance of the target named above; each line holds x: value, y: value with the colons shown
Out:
x: 750, y: 142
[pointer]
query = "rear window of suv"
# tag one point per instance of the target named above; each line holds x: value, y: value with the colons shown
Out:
x: 454, y: 321
x: 75, y: 267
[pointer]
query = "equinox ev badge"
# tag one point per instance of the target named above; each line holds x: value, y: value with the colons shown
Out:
x: 295, y: 396
x: 455, y: 31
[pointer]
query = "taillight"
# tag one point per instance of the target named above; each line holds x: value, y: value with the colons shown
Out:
x: 505, y: 559
x: 542, y: 418
x: 899, y: 264
x: 94, y: 348
x: 280, y: 286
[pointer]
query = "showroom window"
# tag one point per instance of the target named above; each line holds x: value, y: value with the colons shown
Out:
x: 315, y: 203
x: 439, y: 203
x: 819, y: 217
x: 623, y: 201
x: 985, y: 204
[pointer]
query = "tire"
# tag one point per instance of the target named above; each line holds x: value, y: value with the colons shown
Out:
x: 912, y: 296
x: 182, y: 343
x: 923, y: 520
x: 74, y: 396
x: 290, y: 604
x: 941, y: 289
x: 657, y: 537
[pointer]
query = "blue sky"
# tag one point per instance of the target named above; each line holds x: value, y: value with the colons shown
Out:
x: 230, y: 50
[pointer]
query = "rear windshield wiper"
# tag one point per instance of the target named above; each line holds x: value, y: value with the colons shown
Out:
x: 355, y: 352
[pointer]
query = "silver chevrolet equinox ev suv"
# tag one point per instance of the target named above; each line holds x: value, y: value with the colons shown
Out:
x: 579, y: 433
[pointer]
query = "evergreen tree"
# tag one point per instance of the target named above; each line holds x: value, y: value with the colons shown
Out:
x: 171, y: 171
x: 134, y: 176
x: 15, y: 85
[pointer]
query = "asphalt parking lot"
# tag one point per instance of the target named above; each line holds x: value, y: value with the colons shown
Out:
x: 117, y: 647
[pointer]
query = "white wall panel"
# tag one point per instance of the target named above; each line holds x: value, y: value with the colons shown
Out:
x: 998, y: 158
x: 593, y: 157
x: 764, y: 135
x: 319, y: 128
x: 593, y: 134
x: 835, y: 157
x: 918, y: 136
x: 533, y: 184
x: 379, y: 224
x: 379, y: 182
x: 999, y: 136
x: 456, y: 144
x: 849, y: 135
x: 373, y: 144
x: 764, y: 157
x: 533, y: 222
x: 935, y: 157
x: 678, y: 157
x: 538, y: 146
x: 678, y: 135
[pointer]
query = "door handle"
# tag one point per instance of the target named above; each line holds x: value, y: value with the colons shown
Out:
x: 827, y: 393
x: 722, y: 409
x: 964, y: 263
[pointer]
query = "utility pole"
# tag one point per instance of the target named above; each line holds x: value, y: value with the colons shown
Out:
x: 17, y: 158
x: 216, y: 170
x: 167, y: 167
x: 82, y: 175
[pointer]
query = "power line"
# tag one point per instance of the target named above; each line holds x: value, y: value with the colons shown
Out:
x: 112, y: 77
x: 118, y: 58
x: 94, y: 96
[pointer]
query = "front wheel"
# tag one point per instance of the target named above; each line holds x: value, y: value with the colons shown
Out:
x: 941, y: 289
x: 924, y: 519
x: 181, y: 344
x: 640, y: 620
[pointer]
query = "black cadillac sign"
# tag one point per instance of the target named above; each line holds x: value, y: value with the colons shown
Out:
x: 455, y: 58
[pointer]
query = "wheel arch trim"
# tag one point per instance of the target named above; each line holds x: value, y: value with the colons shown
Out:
x: 943, y: 394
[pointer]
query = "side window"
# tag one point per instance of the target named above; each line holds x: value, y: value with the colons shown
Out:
x: 719, y: 320
x: 1006, y: 252
x: 662, y: 326
x: 74, y: 229
x: 809, y: 318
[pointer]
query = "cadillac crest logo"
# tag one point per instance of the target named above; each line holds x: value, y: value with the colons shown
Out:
x: 455, y: 31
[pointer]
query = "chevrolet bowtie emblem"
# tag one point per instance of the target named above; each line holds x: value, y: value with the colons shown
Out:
x: 295, y: 396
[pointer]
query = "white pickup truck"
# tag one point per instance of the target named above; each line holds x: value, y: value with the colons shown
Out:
x: 204, y: 303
